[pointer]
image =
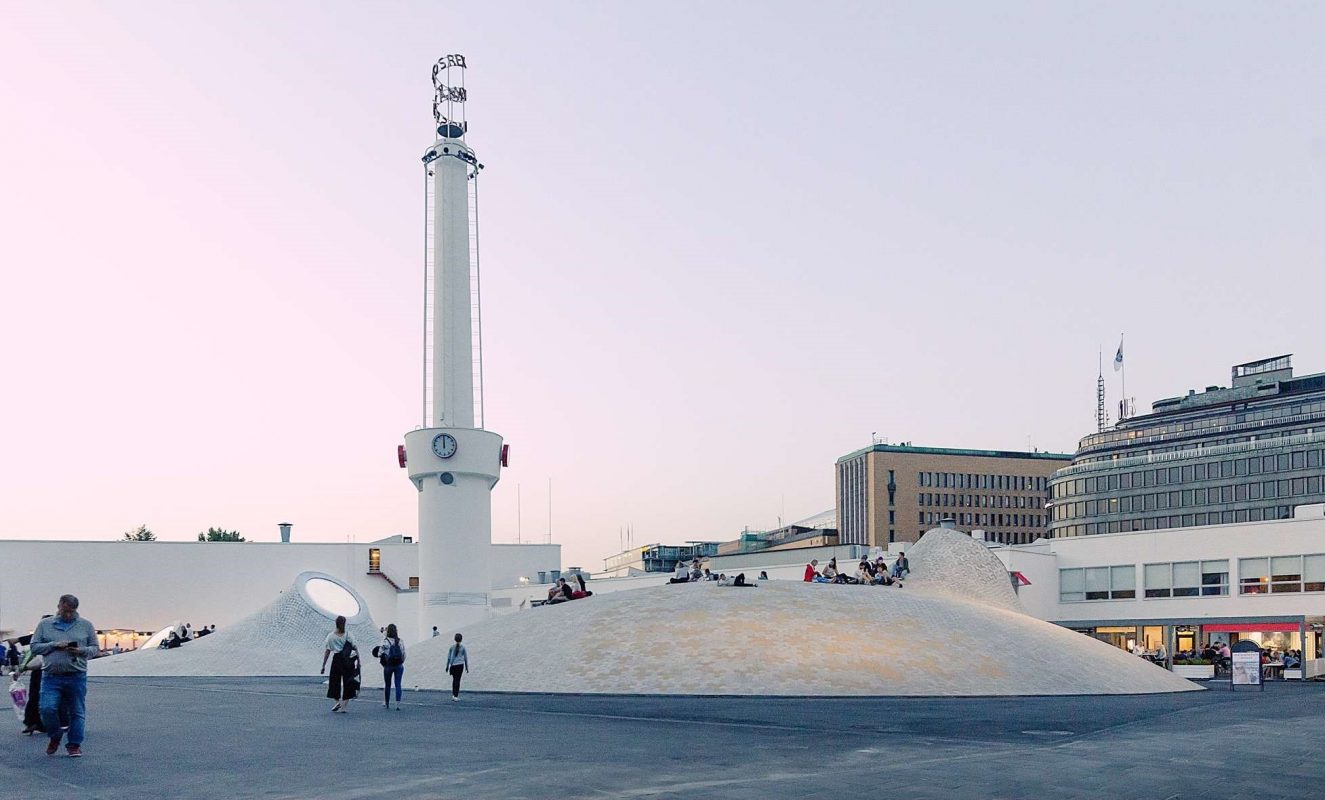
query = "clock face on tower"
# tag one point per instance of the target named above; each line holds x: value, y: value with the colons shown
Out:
x: 444, y: 445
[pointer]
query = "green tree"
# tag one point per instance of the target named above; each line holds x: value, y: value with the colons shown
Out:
x: 140, y: 534
x: 220, y: 535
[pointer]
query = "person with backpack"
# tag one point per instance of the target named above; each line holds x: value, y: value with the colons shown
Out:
x: 343, y: 684
x: 457, y: 662
x: 391, y: 654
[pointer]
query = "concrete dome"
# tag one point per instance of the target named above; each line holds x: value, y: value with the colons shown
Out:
x: 949, y: 562
x: 286, y: 637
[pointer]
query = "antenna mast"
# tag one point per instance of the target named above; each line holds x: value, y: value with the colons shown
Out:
x: 1101, y: 412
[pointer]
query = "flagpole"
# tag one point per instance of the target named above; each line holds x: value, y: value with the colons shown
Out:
x: 1122, y: 340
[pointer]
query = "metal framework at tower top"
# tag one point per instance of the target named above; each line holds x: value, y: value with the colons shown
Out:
x: 449, y: 97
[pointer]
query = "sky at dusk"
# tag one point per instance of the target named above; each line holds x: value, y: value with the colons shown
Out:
x: 723, y: 244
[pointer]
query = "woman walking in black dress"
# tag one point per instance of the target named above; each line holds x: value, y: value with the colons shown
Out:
x: 343, y: 684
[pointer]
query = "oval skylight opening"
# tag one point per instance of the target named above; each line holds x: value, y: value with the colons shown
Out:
x: 331, y: 597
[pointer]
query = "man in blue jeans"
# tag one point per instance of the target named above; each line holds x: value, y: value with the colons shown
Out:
x: 65, y: 642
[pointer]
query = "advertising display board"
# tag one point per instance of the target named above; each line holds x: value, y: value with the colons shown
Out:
x: 1246, y: 665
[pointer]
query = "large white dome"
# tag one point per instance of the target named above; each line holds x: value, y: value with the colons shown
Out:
x: 956, y: 628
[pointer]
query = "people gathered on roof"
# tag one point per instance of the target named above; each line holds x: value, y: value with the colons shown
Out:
x: 875, y: 573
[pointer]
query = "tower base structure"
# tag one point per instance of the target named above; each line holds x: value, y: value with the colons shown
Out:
x: 454, y: 470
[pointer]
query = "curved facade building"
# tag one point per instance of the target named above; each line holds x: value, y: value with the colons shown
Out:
x: 1243, y: 453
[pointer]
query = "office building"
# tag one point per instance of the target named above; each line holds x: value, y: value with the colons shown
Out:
x: 1243, y: 453
x: 894, y: 493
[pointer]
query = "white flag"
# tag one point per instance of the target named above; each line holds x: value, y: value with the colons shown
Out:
x: 1118, y: 359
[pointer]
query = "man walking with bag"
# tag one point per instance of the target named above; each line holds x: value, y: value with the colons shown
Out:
x: 65, y: 642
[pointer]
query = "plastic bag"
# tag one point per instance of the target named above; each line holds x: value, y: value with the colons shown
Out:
x: 20, y: 697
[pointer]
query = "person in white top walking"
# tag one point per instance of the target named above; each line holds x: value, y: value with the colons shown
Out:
x: 457, y: 661
x: 343, y: 684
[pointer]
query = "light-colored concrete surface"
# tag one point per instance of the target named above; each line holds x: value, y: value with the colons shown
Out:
x: 954, y: 630
x: 950, y: 563
x: 785, y: 638
x: 286, y: 637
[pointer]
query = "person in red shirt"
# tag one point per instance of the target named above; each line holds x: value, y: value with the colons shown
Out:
x: 810, y: 571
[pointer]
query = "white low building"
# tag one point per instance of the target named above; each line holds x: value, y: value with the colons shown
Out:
x: 127, y: 588
x: 1185, y: 587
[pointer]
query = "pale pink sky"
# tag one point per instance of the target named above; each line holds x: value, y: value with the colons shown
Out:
x: 723, y: 243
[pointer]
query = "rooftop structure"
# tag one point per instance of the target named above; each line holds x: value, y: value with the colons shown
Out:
x: 656, y: 557
x: 818, y: 530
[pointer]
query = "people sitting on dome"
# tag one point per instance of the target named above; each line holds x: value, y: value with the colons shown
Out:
x: 763, y: 575
x: 864, y: 573
x: 739, y: 580
x: 560, y: 592
x: 836, y: 576
x: 811, y: 570
x: 695, y: 573
x: 901, y: 567
x: 577, y: 593
x: 682, y: 574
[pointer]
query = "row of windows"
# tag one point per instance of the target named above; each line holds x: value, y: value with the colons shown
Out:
x: 1278, y: 574
x: 1097, y: 583
x: 1230, y: 468
x: 1000, y: 520
x: 967, y: 480
x: 1186, y: 579
x: 1258, y: 575
x: 1259, y: 415
x: 1175, y: 521
x: 1190, y: 498
x: 852, y: 502
x: 980, y: 500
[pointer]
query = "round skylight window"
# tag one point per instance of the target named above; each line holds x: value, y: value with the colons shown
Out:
x: 331, y: 598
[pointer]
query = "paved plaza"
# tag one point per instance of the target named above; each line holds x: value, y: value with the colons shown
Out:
x: 275, y: 738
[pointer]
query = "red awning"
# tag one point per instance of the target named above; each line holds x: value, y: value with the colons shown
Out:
x: 1021, y: 580
x: 1251, y: 627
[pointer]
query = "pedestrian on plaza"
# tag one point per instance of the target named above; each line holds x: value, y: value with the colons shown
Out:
x: 32, y: 712
x: 457, y: 661
x: 341, y: 686
x: 65, y: 642
x: 391, y: 654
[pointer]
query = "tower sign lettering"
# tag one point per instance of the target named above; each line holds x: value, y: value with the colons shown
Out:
x: 448, y: 82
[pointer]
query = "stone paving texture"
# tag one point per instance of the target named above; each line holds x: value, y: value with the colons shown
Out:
x: 159, y: 738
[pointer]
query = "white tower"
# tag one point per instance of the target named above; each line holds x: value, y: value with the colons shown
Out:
x: 452, y: 461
